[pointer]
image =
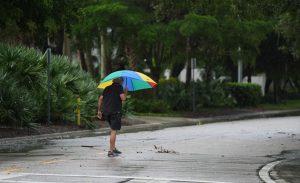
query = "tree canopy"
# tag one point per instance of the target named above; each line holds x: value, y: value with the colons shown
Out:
x: 155, y: 35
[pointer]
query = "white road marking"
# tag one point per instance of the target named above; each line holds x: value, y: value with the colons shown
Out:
x: 107, y: 176
x: 4, y: 176
x: 264, y: 173
x: 21, y: 181
x: 148, y: 181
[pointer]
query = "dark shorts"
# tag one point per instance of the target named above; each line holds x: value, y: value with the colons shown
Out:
x: 114, y: 120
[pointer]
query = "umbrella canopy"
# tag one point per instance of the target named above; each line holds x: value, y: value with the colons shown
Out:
x: 132, y: 80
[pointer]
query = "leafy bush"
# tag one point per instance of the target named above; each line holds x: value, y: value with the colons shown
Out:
x: 21, y: 74
x: 173, y: 92
x: 146, y: 106
x: 245, y: 94
x: 67, y: 86
x: 23, y: 93
x: 211, y: 94
x: 15, y: 106
x: 127, y: 107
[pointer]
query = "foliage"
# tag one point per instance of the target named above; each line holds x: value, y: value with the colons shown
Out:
x: 154, y: 106
x: 157, y: 35
x: 21, y: 78
x: 289, y: 26
x: 245, y: 94
x: 24, y: 92
x: 127, y: 107
x: 16, y: 108
x: 211, y: 94
x: 173, y: 92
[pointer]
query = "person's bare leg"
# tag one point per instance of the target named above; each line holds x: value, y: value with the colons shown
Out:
x: 113, y: 136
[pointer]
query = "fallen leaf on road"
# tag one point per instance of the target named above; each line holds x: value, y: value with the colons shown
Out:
x: 12, y: 169
x: 45, y: 162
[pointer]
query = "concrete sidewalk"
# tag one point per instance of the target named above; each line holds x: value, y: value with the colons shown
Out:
x: 151, y: 123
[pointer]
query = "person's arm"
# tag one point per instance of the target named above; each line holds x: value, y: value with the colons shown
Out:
x: 99, y: 107
x: 123, y: 95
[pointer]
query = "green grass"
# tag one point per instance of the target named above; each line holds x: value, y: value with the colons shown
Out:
x: 286, y: 105
x: 169, y: 114
x: 289, y: 104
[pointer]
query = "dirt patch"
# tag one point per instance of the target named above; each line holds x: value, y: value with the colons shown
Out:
x: 43, y: 129
x: 58, y: 128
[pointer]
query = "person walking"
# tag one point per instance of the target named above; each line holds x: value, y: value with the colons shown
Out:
x: 110, y: 109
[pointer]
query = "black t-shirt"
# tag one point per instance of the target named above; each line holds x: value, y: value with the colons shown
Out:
x: 112, y: 102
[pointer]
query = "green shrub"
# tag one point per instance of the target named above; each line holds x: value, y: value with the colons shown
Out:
x: 67, y: 86
x: 211, y: 94
x: 173, y: 92
x: 21, y: 73
x: 15, y: 104
x: 179, y: 97
x: 23, y: 93
x: 127, y: 107
x: 245, y: 94
x: 152, y: 106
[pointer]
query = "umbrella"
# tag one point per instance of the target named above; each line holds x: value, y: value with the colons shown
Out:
x: 132, y: 80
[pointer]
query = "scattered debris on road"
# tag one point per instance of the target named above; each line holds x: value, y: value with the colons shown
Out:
x: 160, y: 149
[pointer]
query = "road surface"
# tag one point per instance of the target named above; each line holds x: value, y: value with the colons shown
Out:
x: 212, y: 153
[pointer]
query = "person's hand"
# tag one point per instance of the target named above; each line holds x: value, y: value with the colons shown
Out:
x: 99, y: 115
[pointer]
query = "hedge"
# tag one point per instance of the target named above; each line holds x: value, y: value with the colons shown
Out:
x: 245, y: 94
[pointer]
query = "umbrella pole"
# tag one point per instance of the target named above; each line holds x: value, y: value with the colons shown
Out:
x: 125, y: 83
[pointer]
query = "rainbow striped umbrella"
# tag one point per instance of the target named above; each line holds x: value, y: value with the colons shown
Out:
x: 132, y: 80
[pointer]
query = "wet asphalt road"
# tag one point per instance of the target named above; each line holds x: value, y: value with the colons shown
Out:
x: 220, y: 152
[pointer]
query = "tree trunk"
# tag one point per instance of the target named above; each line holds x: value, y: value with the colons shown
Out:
x: 102, y: 55
x: 59, y: 40
x: 249, y: 73
x: 208, y: 74
x: 156, y: 74
x: 66, y: 46
x: 131, y: 56
x: 176, y: 69
x: 231, y: 68
x: 276, y: 91
x: 267, y: 86
x: 80, y: 55
x: 88, y: 62
x: 109, y: 67
x: 188, y: 68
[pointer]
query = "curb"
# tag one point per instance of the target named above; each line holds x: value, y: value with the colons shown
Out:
x: 264, y: 172
x: 26, y: 143
x: 257, y: 115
